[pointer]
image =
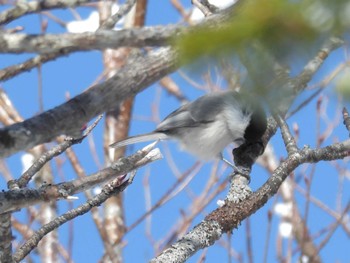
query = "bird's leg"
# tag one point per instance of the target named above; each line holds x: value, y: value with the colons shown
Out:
x: 221, y: 156
x: 244, y: 172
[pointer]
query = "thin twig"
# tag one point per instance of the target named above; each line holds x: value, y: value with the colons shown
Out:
x: 14, y: 70
x: 288, y: 139
x: 228, y: 217
x: 16, y: 199
x: 249, y: 241
x: 346, y: 118
x: 49, y: 155
x: 123, y: 10
x: 114, y: 187
x: 168, y: 195
x: 330, y: 234
x: 25, y: 8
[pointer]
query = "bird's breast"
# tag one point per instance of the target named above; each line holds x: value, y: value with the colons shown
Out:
x: 207, y: 141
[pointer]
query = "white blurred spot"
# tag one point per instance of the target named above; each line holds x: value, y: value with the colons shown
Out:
x: 97, y: 190
x: 286, y: 188
x: 346, y: 220
x: 220, y: 203
x: 72, y: 197
x: 90, y: 24
x: 342, y: 82
x: 304, y: 259
x: 283, y: 209
x: 27, y: 160
x: 285, y: 229
x: 197, y: 14
x: 319, y: 16
x: 345, y: 14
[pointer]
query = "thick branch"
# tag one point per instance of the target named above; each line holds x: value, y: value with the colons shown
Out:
x: 103, y: 39
x: 99, y: 40
x: 68, y: 118
x: 229, y: 217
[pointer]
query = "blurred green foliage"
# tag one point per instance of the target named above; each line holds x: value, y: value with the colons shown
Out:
x: 343, y: 84
x: 278, y: 24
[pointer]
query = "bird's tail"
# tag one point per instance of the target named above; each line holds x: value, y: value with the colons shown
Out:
x: 152, y: 136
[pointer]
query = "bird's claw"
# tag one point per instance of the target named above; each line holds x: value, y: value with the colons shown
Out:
x: 244, y: 171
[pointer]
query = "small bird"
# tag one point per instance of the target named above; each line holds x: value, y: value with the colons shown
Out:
x: 207, y: 125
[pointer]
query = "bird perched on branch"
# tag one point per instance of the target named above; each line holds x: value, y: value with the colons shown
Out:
x: 207, y: 125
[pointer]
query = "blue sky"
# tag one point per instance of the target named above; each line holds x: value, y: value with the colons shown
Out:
x: 78, y: 71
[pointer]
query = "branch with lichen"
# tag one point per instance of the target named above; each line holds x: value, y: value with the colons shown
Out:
x: 240, y: 202
x: 15, y: 199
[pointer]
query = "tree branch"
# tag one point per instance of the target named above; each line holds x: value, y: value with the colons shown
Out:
x: 229, y: 216
x: 12, y: 71
x: 47, y: 156
x: 103, y: 39
x: 5, y: 238
x: 19, y: 198
x: 25, y: 8
x: 69, y: 117
x: 112, y: 188
x: 123, y: 10
x: 99, y: 40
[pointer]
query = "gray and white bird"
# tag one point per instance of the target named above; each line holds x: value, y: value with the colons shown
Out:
x: 207, y: 125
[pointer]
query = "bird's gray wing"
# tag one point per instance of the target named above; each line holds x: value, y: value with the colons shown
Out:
x: 200, y: 111
x: 207, y: 108
x: 177, y: 119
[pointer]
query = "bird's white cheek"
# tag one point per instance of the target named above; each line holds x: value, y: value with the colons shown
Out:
x: 236, y: 124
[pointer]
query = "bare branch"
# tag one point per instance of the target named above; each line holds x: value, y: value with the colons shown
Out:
x: 135, y: 76
x: 102, y: 39
x: 17, y: 199
x: 239, y: 188
x: 337, y: 223
x: 288, y: 139
x: 5, y: 238
x: 346, y: 118
x: 170, y: 86
x: 203, y: 7
x: 123, y: 10
x: 99, y: 40
x: 24, y: 8
x: 313, y: 65
x: 299, y: 83
x: 168, y: 195
x: 229, y: 217
x: 114, y: 187
x: 12, y: 71
x: 47, y: 156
